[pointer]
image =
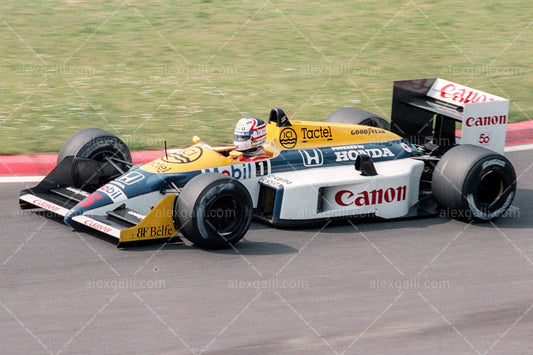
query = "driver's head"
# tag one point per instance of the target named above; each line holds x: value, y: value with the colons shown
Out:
x: 250, y: 133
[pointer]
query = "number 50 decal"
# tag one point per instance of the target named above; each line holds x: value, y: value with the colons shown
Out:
x: 484, y: 138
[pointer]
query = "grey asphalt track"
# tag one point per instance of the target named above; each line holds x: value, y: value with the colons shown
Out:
x: 433, y: 285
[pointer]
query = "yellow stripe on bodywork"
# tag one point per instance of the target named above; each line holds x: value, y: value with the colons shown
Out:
x: 157, y: 224
x: 300, y: 135
x: 305, y: 134
x: 195, y: 157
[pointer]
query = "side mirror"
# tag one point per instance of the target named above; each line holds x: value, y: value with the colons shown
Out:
x: 365, y: 165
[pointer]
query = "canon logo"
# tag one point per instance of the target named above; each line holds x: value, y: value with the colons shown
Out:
x: 98, y: 226
x: 46, y: 205
x: 374, y: 197
x: 463, y: 94
x: 486, y: 121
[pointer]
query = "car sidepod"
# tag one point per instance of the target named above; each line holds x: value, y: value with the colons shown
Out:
x: 329, y: 190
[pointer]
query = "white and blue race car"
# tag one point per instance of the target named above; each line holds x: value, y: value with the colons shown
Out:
x: 353, y: 164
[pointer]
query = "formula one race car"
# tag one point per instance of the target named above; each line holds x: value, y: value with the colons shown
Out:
x: 353, y: 164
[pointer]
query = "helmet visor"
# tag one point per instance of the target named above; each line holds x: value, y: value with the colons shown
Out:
x: 242, y: 137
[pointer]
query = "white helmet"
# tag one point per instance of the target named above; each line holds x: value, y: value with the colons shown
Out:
x: 250, y: 133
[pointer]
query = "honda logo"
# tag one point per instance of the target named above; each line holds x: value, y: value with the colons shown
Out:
x: 312, y: 157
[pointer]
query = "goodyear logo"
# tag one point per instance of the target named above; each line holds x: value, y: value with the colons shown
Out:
x: 288, y: 138
x: 366, y: 131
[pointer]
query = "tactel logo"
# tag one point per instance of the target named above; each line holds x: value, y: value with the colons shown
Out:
x: 318, y: 133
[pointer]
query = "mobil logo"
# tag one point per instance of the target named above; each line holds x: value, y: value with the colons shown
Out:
x: 114, y: 192
x: 237, y: 171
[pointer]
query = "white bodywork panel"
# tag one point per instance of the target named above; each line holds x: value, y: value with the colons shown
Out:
x: 99, y: 226
x: 42, y: 203
x: 342, y: 191
x: 484, y: 116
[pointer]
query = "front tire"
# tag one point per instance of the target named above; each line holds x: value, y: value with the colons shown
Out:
x: 352, y: 115
x: 95, y: 144
x: 474, y: 183
x: 213, y: 211
x: 92, y: 148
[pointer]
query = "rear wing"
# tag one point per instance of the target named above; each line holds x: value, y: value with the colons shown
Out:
x: 427, y: 110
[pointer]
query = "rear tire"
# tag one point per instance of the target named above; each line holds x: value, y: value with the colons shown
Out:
x: 474, y: 183
x: 352, y: 115
x: 213, y: 211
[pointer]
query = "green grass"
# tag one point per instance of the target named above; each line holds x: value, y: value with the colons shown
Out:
x: 166, y: 70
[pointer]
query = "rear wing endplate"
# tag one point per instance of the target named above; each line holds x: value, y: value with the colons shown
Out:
x: 426, y: 111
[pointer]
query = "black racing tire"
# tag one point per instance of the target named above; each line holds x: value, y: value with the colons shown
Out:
x: 213, y: 211
x: 95, y: 144
x: 354, y: 115
x: 474, y: 183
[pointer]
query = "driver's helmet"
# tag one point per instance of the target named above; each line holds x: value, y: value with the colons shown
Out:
x: 250, y: 133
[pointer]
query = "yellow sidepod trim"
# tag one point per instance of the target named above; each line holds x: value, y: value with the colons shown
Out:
x: 158, y: 224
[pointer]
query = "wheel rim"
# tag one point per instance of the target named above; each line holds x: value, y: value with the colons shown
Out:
x: 224, y: 214
x: 490, y: 190
x: 371, y: 122
x: 103, y: 154
x: 375, y: 122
